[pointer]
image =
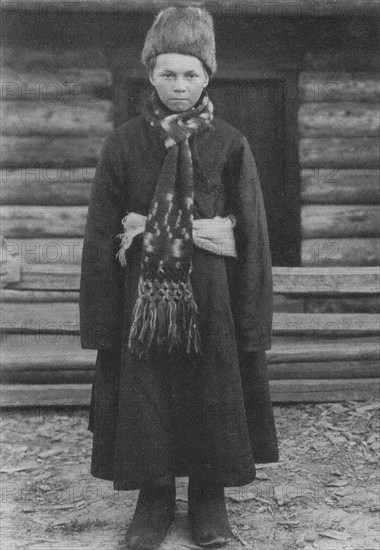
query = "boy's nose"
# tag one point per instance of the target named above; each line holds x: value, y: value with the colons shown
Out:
x: 179, y: 85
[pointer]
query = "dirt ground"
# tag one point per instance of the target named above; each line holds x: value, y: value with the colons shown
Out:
x: 323, y: 494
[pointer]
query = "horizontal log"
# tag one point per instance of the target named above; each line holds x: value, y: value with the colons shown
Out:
x: 61, y: 376
x: 285, y: 304
x: 37, y: 296
x: 64, y: 84
x: 63, y: 318
x: 338, y: 152
x: 48, y: 276
x: 346, y: 119
x: 330, y: 221
x: 78, y: 118
x: 73, y: 374
x: 44, y: 251
x: 320, y: 186
x: 282, y: 391
x: 323, y: 391
x: 324, y: 280
x: 287, y: 8
x: 335, y: 86
x: 294, y: 371
x: 313, y: 350
x: 44, y: 395
x: 342, y: 304
x: 342, y: 59
x: 42, y: 317
x: 325, y: 221
x: 339, y: 252
x: 47, y: 352
x: 50, y: 152
x: 46, y: 186
x: 33, y: 59
x: 287, y: 280
x: 34, y: 345
x: 314, y: 252
x: 325, y: 324
x: 42, y: 221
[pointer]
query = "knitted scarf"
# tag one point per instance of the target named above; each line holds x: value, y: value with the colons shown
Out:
x: 165, y: 312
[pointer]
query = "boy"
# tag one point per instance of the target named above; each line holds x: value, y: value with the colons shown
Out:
x: 181, y: 385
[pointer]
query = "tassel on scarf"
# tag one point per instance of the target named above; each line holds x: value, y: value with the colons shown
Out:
x: 160, y: 317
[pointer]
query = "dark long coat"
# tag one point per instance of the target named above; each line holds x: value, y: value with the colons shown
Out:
x: 211, y: 416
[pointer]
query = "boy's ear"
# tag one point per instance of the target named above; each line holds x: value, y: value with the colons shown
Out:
x: 151, y: 78
x: 207, y: 78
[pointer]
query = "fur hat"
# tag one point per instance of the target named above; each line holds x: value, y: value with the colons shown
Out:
x: 185, y: 30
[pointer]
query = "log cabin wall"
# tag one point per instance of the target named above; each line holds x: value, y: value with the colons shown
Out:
x: 60, y: 98
x: 57, y: 108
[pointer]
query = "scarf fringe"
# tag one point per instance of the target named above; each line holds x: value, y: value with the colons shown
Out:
x: 125, y: 243
x: 160, y: 318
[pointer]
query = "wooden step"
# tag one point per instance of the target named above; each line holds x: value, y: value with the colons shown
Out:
x: 32, y: 358
x: 63, y: 318
x: 282, y: 391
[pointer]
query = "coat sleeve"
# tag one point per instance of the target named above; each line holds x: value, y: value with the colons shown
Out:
x: 250, y: 275
x: 101, y: 283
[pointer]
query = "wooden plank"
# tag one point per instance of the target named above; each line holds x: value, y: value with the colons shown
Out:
x: 342, y: 304
x: 42, y: 221
x: 339, y: 152
x: 340, y: 252
x: 51, y: 350
x: 63, y: 317
x: 323, y: 280
x: 44, y: 251
x: 53, y: 83
x: 60, y: 376
x: 282, y: 391
x: 53, y: 370
x: 329, y: 221
x: 325, y: 324
x: 345, y: 119
x: 244, y: 8
x: 44, y: 395
x: 287, y: 280
x: 323, y: 391
x: 341, y: 58
x: 59, y: 151
x: 305, y: 349
x: 78, y: 118
x: 48, y: 276
x: 46, y: 186
x: 73, y: 374
x: 37, y: 296
x: 35, y: 59
x: 338, y: 86
x: 303, y: 371
x: 340, y: 186
x: 41, y: 345
x: 40, y: 317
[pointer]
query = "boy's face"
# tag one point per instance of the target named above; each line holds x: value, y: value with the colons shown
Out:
x: 179, y: 80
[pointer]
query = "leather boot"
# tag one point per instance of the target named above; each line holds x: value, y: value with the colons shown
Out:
x: 208, y: 514
x: 153, y: 516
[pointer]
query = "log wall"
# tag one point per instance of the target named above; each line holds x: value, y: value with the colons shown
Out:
x: 338, y: 121
x: 57, y: 107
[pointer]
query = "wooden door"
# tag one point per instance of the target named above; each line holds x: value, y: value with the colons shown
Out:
x: 258, y: 109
